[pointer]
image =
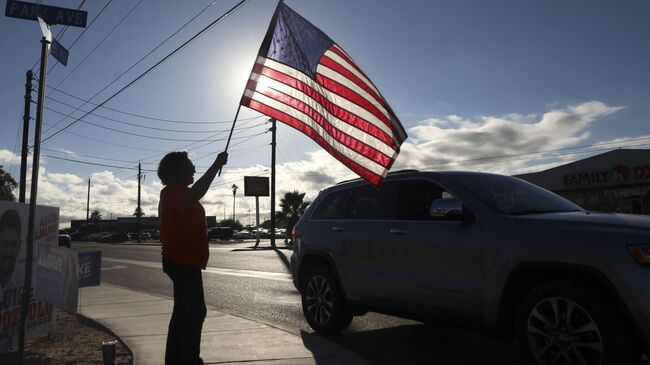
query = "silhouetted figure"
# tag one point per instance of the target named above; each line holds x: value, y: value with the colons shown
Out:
x: 184, y: 238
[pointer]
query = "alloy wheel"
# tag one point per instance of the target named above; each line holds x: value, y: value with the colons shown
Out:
x: 562, y: 332
x: 319, y: 299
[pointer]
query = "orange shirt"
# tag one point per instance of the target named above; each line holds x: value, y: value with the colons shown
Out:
x: 183, y: 232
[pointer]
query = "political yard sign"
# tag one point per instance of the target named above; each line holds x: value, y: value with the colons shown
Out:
x: 13, y: 237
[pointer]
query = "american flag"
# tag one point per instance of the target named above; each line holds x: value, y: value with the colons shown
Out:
x: 303, y: 79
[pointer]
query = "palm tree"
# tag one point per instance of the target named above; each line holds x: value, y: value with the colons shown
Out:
x: 95, y: 216
x: 293, y: 206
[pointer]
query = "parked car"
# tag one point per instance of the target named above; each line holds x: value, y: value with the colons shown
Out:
x: 222, y: 233
x: 243, y: 235
x: 115, y: 238
x: 65, y: 240
x: 143, y: 236
x: 490, y: 251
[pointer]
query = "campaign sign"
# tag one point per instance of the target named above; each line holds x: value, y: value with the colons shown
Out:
x: 13, y: 237
x: 90, y: 265
x: 57, y: 277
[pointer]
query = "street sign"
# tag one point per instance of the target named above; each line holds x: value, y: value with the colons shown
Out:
x: 59, y: 52
x: 51, y: 14
x: 256, y: 186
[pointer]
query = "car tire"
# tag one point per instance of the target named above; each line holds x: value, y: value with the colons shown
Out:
x: 323, y: 302
x: 562, y: 320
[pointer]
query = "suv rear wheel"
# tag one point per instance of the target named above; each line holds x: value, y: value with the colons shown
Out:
x: 561, y: 323
x: 323, y: 303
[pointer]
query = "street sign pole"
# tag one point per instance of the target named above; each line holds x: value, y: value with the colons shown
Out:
x: 29, y: 252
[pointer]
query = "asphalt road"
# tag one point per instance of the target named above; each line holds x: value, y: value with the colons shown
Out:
x: 256, y: 284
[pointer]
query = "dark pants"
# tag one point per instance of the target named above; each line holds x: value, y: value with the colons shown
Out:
x: 184, y: 335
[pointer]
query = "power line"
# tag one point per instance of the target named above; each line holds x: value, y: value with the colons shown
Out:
x: 106, y: 142
x: 231, y: 10
x: 58, y: 36
x: 128, y: 123
x: 91, y: 163
x: 146, y: 116
x: 56, y: 63
x: 100, y: 42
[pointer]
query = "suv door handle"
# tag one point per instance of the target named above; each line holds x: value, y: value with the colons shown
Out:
x: 398, y: 231
x: 338, y: 229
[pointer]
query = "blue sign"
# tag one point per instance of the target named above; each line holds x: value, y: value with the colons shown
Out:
x: 59, y: 52
x: 90, y: 264
x: 51, y: 14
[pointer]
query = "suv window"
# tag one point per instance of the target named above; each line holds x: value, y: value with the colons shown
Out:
x: 333, y: 206
x: 415, y: 197
x: 371, y: 203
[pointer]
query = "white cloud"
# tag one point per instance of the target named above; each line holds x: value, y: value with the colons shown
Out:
x: 7, y: 157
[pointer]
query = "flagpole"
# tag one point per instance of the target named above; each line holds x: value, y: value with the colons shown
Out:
x: 266, y: 41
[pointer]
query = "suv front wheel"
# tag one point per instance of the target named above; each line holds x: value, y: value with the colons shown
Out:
x: 561, y: 323
x: 323, y: 303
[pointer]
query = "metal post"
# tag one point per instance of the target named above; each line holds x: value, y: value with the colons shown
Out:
x: 234, y: 192
x: 29, y: 252
x: 273, y: 132
x: 87, y: 208
x: 138, y: 211
x: 26, y: 117
x: 257, y: 220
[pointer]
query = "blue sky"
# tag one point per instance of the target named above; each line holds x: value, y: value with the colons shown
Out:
x: 468, y: 79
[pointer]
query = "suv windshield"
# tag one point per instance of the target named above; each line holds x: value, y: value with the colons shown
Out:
x: 510, y: 195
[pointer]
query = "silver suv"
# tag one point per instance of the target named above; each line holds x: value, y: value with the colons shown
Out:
x: 570, y: 286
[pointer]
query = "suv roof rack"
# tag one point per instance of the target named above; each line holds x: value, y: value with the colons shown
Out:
x: 389, y: 174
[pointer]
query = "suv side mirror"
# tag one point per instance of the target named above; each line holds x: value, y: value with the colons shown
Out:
x: 447, y: 209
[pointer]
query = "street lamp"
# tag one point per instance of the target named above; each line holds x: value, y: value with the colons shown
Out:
x: 234, y: 192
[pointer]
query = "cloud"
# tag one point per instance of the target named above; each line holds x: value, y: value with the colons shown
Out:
x: 7, y: 157
x: 438, y: 143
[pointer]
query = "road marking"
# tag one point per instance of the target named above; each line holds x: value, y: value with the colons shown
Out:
x: 114, y: 267
x: 282, y: 299
x: 213, y: 270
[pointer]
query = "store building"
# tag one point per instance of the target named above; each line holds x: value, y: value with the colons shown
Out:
x: 617, y: 181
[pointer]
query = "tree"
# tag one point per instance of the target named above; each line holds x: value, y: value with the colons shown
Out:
x: 293, y: 206
x: 95, y: 216
x: 138, y: 212
x: 7, y: 185
x: 234, y: 224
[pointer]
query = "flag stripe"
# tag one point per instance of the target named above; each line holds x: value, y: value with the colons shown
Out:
x: 345, y: 73
x: 339, y: 104
x: 280, y: 114
x: 342, y: 119
x: 316, y: 129
x: 296, y: 100
x: 350, y: 95
x: 333, y: 75
x: 335, y: 50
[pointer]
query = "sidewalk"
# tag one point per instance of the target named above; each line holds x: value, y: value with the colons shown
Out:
x: 141, y: 320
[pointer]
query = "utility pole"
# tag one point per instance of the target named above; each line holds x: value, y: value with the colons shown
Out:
x: 234, y: 192
x: 138, y: 211
x: 273, y: 132
x: 26, y: 117
x: 87, y: 207
x: 29, y: 249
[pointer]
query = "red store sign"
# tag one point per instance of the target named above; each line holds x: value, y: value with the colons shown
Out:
x: 618, y: 175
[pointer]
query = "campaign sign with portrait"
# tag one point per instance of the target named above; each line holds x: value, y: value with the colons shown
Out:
x: 13, y: 237
x: 57, y: 277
